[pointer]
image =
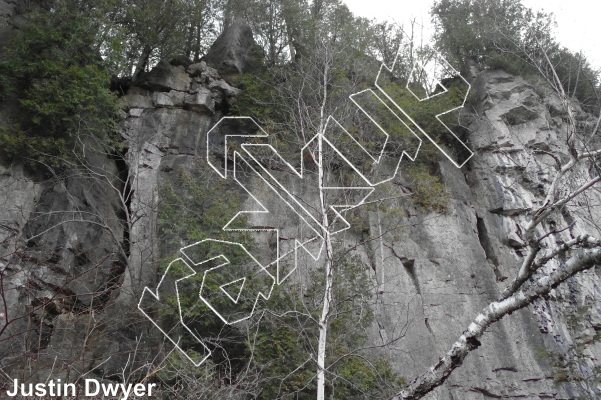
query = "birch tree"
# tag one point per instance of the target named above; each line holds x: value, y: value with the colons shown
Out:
x: 545, y: 264
x: 311, y: 91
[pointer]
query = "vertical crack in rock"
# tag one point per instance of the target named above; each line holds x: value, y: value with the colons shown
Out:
x: 410, y: 268
x: 371, y: 254
x: 484, y: 240
x: 409, y: 265
x: 119, y: 267
x: 124, y: 171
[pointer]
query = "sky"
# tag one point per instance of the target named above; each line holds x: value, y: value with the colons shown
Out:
x: 578, y: 23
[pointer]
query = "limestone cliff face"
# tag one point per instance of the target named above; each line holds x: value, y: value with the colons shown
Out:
x: 445, y: 268
x: 517, y: 125
x: 432, y: 272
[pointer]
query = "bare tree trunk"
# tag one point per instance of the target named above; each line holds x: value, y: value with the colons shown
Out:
x: 197, y: 44
x: 328, y: 270
x: 324, y: 318
x: 329, y: 284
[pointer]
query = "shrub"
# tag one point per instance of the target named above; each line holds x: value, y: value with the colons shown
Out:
x: 61, y: 90
x: 428, y: 192
x: 286, y: 337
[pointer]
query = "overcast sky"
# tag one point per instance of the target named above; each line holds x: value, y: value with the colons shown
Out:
x: 578, y: 21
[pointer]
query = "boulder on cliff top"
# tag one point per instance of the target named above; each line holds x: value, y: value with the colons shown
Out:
x: 235, y: 50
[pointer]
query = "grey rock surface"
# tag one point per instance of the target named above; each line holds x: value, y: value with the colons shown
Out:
x: 8, y: 11
x: 431, y: 273
x: 14, y: 17
x: 235, y: 50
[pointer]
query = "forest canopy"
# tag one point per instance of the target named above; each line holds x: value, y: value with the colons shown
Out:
x: 61, y: 66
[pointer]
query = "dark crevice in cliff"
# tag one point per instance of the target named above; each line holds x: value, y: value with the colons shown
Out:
x: 487, y: 393
x: 125, y: 179
x: 124, y: 214
x: 410, y: 268
x: 371, y: 254
x: 429, y: 327
x: 484, y: 239
x: 223, y: 106
x: 120, y: 85
x: 409, y: 265
x: 459, y: 152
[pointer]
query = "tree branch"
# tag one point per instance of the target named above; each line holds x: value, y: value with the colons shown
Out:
x: 469, y: 341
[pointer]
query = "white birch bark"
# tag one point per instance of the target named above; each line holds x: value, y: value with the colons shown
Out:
x: 469, y: 340
x: 328, y: 267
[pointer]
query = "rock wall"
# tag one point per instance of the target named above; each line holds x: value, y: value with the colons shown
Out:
x: 432, y: 273
x: 439, y: 271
